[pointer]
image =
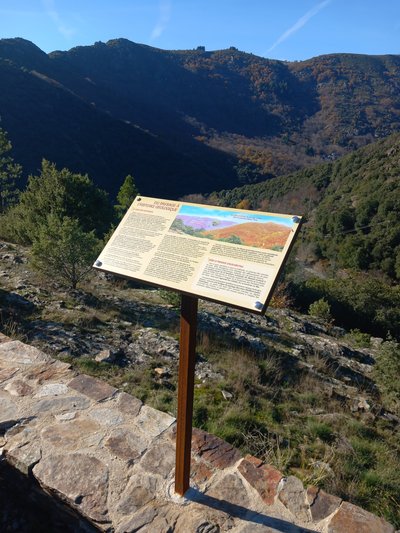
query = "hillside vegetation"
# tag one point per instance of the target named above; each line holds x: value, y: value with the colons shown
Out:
x: 314, y: 399
x: 349, y: 251
x: 190, y: 121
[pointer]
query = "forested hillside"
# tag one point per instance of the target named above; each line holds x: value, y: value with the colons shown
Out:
x: 190, y: 121
x: 351, y: 234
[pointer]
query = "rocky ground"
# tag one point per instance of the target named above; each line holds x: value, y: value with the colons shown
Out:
x: 128, y: 335
x: 129, y: 327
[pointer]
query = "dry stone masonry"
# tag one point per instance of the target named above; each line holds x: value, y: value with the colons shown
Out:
x: 109, y: 460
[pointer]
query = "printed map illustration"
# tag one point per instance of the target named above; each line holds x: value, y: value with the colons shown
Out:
x: 249, y: 229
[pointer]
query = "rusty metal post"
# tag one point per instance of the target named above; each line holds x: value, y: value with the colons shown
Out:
x: 187, y: 353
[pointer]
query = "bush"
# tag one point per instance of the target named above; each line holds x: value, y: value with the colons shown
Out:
x: 59, y: 193
x: 171, y: 297
x: 386, y: 374
x: 63, y: 250
x: 321, y: 309
x: 358, y: 301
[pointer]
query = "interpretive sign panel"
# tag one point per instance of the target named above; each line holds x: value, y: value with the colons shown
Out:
x: 231, y: 256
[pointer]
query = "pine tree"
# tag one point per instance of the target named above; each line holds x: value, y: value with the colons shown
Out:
x: 63, y: 250
x: 10, y: 173
x: 125, y: 196
x: 63, y: 194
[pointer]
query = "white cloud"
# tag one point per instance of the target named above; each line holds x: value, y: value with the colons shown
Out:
x: 52, y: 12
x: 164, y: 17
x: 299, y: 24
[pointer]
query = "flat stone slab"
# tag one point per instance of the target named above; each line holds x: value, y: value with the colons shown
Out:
x: 52, y: 389
x: 69, y: 435
x: 351, y: 518
x: 215, y: 451
x: 48, y: 371
x: 321, y: 504
x: 59, y: 405
x: 80, y: 479
x: 264, y: 478
x: 18, y: 353
x: 92, y: 387
x: 18, y: 387
x: 7, y: 373
x: 8, y: 411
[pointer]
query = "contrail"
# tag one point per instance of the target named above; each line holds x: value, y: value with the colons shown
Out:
x: 300, y: 23
x: 51, y: 11
x: 163, y: 19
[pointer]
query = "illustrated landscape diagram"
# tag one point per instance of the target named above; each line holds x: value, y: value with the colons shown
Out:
x: 261, y: 231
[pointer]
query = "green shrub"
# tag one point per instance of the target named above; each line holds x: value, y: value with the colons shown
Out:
x: 386, y: 374
x: 171, y: 297
x: 321, y: 309
x: 358, y: 338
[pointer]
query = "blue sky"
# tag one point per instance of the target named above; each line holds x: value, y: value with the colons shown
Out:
x: 279, y: 29
x: 232, y: 216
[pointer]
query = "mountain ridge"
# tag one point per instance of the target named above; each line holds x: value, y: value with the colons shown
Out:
x: 196, y: 120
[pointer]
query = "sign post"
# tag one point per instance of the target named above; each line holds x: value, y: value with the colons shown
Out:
x: 187, y: 356
x: 228, y: 256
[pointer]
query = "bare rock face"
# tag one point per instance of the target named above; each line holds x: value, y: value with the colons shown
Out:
x: 79, y: 479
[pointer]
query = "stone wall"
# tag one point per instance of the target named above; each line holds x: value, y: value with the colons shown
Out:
x: 107, y: 461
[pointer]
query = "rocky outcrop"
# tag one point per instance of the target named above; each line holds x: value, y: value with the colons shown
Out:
x: 110, y: 459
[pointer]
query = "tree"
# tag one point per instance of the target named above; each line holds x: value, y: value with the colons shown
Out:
x: 321, y: 309
x: 61, y: 193
x: 63, y: 250
x: 125, y: 196
x: 10, y: 173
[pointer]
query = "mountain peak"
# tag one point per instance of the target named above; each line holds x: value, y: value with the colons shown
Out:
x: 22, y: 52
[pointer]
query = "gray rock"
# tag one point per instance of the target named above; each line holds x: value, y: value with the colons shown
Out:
x: 79, y: 479
x: 8, y: 412
x: 106, y: 416
x: 140, y: 520
x: 126, y: 444
x: 141, y: 490
x: 18, y: 388
x: 24, y: 456
x: 153, y: 422
x: 105, y: 356
x: 159, y: 460
x: 292, y: 494
x: 59, y: 405
x: 52, y: 389
x: 22, y: 354
x: 321, y: 503
x: 92, y: 387
x: 228, y: 493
